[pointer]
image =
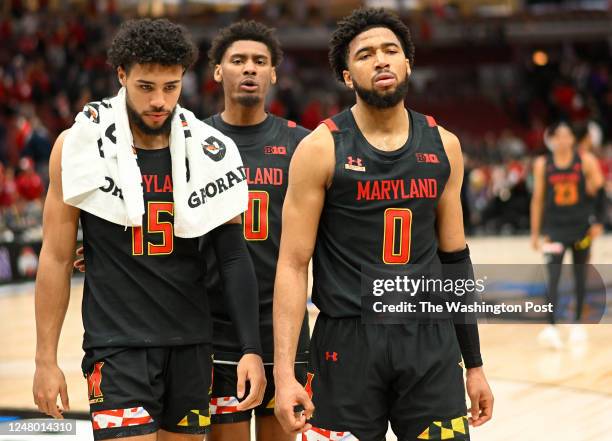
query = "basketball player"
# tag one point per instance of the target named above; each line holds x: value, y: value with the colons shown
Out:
x: 563, y: 209
x: 345, y: 203
x: 244, y: 57
x: 147, y: 323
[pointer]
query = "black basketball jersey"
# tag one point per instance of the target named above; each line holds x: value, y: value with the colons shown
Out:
x: 266, y: 150
x: 144, y: 286
x: 380, y: 209
x: 568, y: 209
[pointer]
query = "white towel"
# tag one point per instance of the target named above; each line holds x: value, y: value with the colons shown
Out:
x: 100, y: 174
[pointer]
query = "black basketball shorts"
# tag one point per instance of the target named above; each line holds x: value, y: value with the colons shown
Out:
x: 135, y: 391
x: 361, y: 377
x: 224, y: 397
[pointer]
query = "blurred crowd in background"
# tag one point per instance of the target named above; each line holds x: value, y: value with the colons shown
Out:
x: 496, y: 96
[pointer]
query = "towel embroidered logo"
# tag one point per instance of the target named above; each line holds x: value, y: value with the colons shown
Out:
x: 214, y: 149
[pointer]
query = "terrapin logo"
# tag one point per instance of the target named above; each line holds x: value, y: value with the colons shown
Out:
x: 214, y: 149
x: 308, y: 386
x: 94, y: 383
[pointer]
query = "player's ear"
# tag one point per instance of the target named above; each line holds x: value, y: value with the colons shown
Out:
x: 122, y: 76
x: 347, y: 79
x: 273, y: 76
x: 408, y: 69
x: 217, y: 73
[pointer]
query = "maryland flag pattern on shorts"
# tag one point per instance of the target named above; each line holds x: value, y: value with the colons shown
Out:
x: 222, y: 405
x: 316, y: 434
x: 195, y: 418
x: 455, y: 429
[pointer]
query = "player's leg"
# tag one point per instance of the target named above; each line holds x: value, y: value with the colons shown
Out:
x: 267, y: 427
x: 428, y: 393
x: 227, y: 422
x: 187, y: 379
x: 163, y: 435
x: 553, y: 255
x: 581, y: 252
x: 240, y: 431
x: 125, y: 392
x: 348, y: 381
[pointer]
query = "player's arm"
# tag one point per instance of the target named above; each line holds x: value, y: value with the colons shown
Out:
x: 537, y: 200
x: 454, y: 253
x: 594, y: 179
x: 310, y: 174
x: 242, y: 298
x: 52, y: 293
x: 594, y: 183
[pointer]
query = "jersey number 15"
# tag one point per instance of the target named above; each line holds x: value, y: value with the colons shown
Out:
x: 155, y: 226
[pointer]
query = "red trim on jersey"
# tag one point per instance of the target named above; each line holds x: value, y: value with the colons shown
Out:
x: 431, y: 121
x: 330, y: 124
x: 291, y: 124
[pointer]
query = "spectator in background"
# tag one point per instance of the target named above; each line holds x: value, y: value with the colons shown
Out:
x: 37, y: 149
x: 29, y: 183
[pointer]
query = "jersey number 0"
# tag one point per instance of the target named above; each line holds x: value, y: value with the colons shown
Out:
x: 256, y: 217
x: 397, y: 232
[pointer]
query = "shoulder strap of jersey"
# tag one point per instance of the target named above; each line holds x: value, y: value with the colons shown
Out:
x: 331, y: 125
x: 425, y: 120
x: 431, y: 122
x: 338, y: 122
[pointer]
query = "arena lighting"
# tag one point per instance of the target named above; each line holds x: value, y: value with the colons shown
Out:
x: 540, y: 58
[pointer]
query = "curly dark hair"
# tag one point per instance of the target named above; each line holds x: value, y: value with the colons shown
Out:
x: 146, y: 41
x: 360, y: 21
x: 245, y: 30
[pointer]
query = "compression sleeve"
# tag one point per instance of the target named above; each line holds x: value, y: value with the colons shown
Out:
x: 458, y: 265
x: 600, y: 206
x: 239, y: 284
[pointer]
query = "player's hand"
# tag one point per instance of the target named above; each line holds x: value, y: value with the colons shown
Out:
x: 596, y: 230
x: 49, y: 382
x: 289, y: 394
x: 535, y: 242
x: 79, y: 264
x: 250, y: 368
x: 481, y: 397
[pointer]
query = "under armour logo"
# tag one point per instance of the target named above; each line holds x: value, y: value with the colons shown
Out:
x: 355, y: 164
x: 331, y: 356
x: 351, y: 161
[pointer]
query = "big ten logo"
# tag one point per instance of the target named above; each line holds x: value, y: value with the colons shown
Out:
x: 275, y: 150
x: 430, y: 158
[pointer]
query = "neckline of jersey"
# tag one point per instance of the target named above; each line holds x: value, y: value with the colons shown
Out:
x: 569, y: 167
x: 152, y: 152
x: 385, y: 154
x: 254, y: 128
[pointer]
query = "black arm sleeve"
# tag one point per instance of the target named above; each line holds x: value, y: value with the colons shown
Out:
x: 601, y: 206
x: 239, y: 284
x: 458, y: 265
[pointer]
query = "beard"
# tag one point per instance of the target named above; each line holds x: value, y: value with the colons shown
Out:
x: 146, y: 129
x: 248, y: 100
x: 382, y: 100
